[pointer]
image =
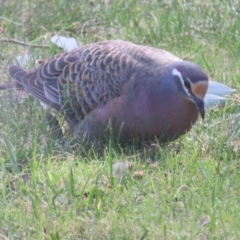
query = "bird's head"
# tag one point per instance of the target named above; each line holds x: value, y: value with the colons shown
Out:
x: 191, y: 81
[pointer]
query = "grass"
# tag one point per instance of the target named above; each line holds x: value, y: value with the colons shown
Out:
x: 192, y: 190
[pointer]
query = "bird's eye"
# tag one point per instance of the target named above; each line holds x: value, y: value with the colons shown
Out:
x: 187, y: 84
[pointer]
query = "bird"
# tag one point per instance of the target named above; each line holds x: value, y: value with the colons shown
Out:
x: 130, y: 90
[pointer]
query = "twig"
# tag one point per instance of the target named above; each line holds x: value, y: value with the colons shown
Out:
x: 8, y: 20
x: 23, y: 43
x: 4, y: 237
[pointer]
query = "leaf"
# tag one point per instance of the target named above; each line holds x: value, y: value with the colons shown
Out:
x: 215, y: 94
x: 63, y: 42
x: 219, y: 89
x: 12, y: 154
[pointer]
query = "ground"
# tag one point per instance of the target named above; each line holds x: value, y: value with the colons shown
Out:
x: 188, y: 189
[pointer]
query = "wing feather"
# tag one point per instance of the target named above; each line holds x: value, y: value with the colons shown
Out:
x: 88, y: 77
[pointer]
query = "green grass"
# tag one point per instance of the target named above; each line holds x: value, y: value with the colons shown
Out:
x: 191, y: 193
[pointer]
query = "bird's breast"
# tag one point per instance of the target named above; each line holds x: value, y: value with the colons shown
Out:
x: 164, y: 116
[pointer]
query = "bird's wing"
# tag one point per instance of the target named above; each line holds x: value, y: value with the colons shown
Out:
x: 88, y: 77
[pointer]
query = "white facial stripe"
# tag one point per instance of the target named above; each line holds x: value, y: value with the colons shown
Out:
x: 175, y: 72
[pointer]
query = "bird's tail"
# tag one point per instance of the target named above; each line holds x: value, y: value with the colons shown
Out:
x: 19, y: 95
x: 11, y: 85
x: 16, y: 73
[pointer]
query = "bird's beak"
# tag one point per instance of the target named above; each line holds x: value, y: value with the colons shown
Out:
x: 200, y: 105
